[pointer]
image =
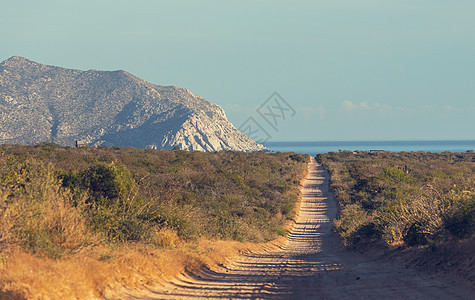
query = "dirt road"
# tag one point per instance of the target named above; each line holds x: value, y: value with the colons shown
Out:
x: 310, y: 265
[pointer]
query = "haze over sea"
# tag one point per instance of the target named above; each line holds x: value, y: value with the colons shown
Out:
x: 316, y: 147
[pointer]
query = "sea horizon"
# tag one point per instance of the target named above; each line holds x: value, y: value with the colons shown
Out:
x: 316, y: 147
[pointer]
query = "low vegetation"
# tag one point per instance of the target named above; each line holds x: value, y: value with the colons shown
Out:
x: 59, y: 202
x: 409, y: 199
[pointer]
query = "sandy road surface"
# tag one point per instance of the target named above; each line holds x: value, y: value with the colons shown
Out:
x: 310, y: 265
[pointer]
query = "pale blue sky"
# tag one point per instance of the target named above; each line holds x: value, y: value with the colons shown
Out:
x: 353, y: 70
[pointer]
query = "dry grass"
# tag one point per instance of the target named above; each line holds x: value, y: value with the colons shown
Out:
x: 106, y: 271
x: 39, y: 215
x: 49, y: 248
x: 403, y: 199
x: 102, y: 272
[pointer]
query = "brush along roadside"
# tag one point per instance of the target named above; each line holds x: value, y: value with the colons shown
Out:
x: 52, y: 246
x: 214, y: 255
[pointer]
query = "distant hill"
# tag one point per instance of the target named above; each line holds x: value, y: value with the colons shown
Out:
x: 40, y: 103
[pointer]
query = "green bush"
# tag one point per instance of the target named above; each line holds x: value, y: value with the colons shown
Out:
x: 115, y: 207
x: 460, y: 223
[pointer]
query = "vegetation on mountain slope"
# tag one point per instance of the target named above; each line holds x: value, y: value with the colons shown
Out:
x: 41, y: 103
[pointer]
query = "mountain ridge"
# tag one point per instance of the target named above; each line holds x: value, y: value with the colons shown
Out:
x: 48, y: 103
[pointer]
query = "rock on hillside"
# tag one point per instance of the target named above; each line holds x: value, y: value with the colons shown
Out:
x: 40, y: 103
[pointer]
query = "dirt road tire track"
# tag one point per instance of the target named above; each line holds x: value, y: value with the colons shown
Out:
x: 310, y: 265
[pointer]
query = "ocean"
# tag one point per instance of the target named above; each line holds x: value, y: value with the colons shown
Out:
x: 316, y: 147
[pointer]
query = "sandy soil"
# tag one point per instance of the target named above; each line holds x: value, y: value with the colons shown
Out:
x: 311, y: 264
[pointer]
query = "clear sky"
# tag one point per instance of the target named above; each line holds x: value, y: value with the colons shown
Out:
x: 352, y: 70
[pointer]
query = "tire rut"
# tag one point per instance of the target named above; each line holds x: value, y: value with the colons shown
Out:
x: 310, y: 265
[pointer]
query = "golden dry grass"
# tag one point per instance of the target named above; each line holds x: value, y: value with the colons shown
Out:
x: 47, y: 250
x: 103, y: 272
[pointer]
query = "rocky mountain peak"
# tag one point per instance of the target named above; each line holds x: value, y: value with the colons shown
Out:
x: 46, y: 103
x: 15, y: 60
x: 19, y: 63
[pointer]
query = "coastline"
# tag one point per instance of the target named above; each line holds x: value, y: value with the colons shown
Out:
x: 316, y: 147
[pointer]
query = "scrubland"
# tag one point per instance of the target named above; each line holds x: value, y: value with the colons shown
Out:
x: 96, y: 219
x: 408, y: 199
x: 416, y: 209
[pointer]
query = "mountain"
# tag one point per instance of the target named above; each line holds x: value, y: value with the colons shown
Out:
x: 40, y: 103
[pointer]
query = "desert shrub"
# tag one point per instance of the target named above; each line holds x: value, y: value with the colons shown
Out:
x: 353, y: 219
x: 37, y: 213
x: 460, y: 225
x: 166, y: 238
x: 459, y: 222
x: 109, y: 183
x: 115, y: 208
x: 416, y: 234
x: 365, y: 232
